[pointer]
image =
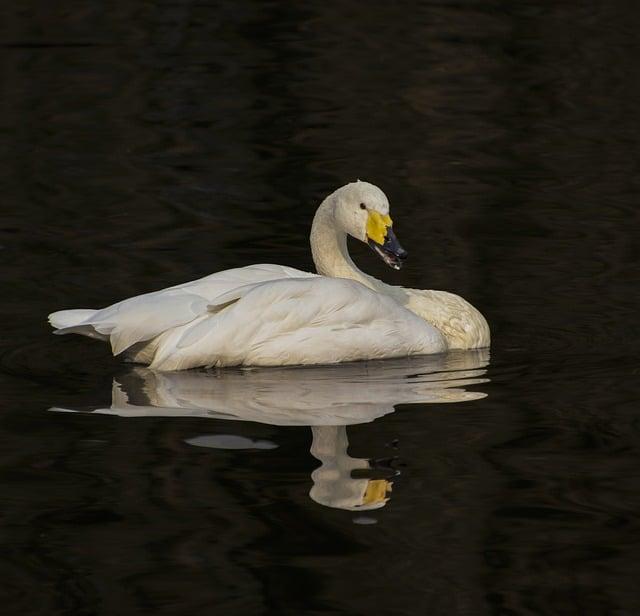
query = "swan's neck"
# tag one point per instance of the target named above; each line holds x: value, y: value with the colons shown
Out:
x: 329, y: 247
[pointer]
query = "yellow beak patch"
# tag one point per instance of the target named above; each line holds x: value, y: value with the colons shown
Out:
x: 376, y: 491
x: 377, y: 226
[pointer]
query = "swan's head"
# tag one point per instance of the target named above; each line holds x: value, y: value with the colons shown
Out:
x: 362, y: 210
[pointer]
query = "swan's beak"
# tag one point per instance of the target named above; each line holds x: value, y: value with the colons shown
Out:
x: 389, y: 250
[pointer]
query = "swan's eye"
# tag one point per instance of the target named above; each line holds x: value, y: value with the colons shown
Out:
x: 363, y: 206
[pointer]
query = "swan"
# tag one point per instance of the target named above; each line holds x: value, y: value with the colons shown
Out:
x: 273, y: 315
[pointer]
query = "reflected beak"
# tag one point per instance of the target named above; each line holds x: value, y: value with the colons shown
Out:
x: 376, y: 491
x: 390, y: 250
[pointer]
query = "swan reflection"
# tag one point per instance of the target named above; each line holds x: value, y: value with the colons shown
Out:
x: 326, y: 398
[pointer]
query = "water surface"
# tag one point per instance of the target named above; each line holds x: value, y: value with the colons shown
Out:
x: 151, y: 143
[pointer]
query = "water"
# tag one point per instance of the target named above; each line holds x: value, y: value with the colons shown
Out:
x: 151, y: 143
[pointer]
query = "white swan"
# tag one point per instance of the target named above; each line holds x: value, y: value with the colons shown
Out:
x: 269, y: 315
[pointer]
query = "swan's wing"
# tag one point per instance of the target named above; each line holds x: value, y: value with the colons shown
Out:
x: 297, y: 321
x: 144, y: 317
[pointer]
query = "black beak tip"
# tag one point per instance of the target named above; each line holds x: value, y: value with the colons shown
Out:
x: 390, y: 251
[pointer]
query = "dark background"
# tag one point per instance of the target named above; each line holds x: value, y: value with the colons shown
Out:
x: 149, y: 143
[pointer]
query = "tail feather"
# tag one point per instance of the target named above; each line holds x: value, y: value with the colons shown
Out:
x: 70, y: 318
x: 74, y: 322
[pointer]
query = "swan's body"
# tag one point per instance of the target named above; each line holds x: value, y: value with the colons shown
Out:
x: 274, y: 315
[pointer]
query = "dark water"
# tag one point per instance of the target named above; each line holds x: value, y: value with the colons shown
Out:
x: 149, y: 143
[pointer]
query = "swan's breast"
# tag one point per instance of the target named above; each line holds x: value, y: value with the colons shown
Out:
x: 463, y: 326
